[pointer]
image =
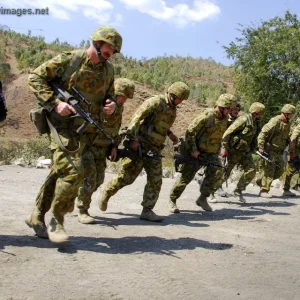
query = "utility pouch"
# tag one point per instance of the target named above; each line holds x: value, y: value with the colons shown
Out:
x: 38, y: 117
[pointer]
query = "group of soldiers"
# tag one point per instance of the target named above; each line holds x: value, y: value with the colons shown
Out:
x: 79, y: 160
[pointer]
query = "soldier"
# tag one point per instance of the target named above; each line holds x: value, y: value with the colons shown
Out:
x: 232, y: 116
x: 272, y: 140
x: 94, y: 160
x: 148, y: 129
x: 202, y: 140
x: 238, y: 142
x: 91, y: 73
x: 293, y: 165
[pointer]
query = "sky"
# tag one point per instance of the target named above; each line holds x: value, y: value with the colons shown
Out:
x: 150, y: 28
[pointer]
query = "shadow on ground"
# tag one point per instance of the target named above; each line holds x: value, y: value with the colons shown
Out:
x: 124, y: 245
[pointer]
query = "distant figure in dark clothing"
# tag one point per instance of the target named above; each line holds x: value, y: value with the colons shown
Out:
x: 3, y: 109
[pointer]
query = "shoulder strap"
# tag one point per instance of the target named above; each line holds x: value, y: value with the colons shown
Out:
x: 75, y: 62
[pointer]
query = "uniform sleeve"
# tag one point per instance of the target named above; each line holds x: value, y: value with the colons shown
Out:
x: 266, y: 133
x: 194, y: 128
x: 294, y: 136
x: 50, y: 70
x: 145, y: 110
x: 237, y: 126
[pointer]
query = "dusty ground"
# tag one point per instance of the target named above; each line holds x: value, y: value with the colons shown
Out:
x: 248, y: 251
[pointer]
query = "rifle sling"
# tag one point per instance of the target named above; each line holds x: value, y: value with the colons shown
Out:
x: 58, y: 140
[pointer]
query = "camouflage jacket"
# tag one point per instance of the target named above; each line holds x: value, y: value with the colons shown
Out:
x: 274, y: 135
x: 152, y: 120
x: 242, y: 134
x: 295, y: 140
x: 95, y: 82
x: 111, y: 125
x: 205, y: 132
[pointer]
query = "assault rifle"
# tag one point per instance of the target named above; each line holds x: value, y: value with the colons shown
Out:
x: 86, y: 116
x: 265, y: 156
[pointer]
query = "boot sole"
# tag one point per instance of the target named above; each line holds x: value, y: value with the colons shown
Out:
x: 43, y: 234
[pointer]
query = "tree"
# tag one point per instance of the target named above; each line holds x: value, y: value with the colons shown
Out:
x: 82, y: 43
x: 267, y: 62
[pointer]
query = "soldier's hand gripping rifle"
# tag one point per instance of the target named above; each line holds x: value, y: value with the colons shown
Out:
x: 265, y: 156
x: 86, y: 116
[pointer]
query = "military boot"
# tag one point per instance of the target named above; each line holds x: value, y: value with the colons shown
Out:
x: 84, y: 217
x: 173, y: 207
x: 212, y: 198
x: 202, y: 202
x: 56, y: 231
x: 264, y: 194
x: 149, y: 215
x: 36, y: 221
x: 288, y: 194
x: 238, y: 194
x: 102, y: 203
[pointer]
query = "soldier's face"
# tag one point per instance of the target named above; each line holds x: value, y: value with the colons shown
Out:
x: 177, y: 101
x: 107, y: 50
x: 226, y: 111
x: 234, y: 112
x: 121, y: 100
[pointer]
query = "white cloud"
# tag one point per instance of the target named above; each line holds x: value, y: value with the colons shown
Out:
x: 180, y: 14
x: 99, y: 10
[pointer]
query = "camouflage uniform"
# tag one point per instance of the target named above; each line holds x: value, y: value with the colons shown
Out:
x: 204, y: 135
x: 94, y: 157
x: 96, y: 83
x: 240, y: 140
x: 273, y: 138
x: 150, y: 125
x: 293, y: 165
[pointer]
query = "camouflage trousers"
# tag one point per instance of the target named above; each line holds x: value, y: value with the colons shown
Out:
x: 246, y: 164
x: 130, y: 170
x: 94, y: 164
x: 271, y: 171
x: 290, y: 171
x: 60, y: 188
x: 212, y: 174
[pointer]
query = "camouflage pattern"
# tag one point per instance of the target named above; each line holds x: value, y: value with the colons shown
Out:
x: 288, y: 109
x: 149, y: 125
x: 257, y: 107
x: 188, y: 172
x: 151, y: 122
x: 240, y: 140
x: 130, y: 170
x: 180, y: 90
x: 226, y: 100
x: 60, y: 187
x: 230, y: 120
x: 124, y: 87
x: 204, y: 134
x: 94, y: 82
x: 94, y: 164
x: 273, y: 138
x: 108, y: 35
x: 294, y: 149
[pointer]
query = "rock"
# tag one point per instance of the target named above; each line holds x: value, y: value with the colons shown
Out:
x: 44, y: 163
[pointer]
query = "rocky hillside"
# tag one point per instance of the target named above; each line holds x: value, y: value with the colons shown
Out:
x: 20, y: 100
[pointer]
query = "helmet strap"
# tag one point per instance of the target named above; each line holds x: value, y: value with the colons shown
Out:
x: 172, y: 99
x: 98, y: 47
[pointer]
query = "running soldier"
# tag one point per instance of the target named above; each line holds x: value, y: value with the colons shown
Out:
x: 272, y: 141
x: 202, y: 142
x: 146, y: 132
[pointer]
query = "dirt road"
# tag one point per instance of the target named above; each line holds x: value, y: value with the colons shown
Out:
x: 248, y: 251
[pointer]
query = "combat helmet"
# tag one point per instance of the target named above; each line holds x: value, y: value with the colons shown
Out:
x: 226, y: 100
x: 288, y: 109
x: 124, y: 87
x: 108, y: 35
x: 257, y: 107
x: 180, y: 90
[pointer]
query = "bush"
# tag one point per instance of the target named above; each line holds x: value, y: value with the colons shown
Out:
x: 29, y: 151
